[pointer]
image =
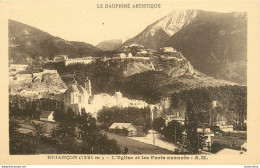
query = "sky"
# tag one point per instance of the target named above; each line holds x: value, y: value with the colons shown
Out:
x: 78, y: 21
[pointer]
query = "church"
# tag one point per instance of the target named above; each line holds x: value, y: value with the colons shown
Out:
x: 77, y: 97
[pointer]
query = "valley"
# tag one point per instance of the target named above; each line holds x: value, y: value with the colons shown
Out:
x: 182, y: 78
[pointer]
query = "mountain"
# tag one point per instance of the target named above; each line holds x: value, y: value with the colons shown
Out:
x: 214, y: 43
x: 109, y: 45
x: 139, y: 78
x: 160, y: 31
x: 27, y: 42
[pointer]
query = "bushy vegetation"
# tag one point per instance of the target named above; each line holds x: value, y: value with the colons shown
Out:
x: 105, y: 76
x: 80, y: 134
x: 158, y: 124
x: 215, y: 147
x: 138, y: 117
x: 73, y: 134
x: 231, y: 104
x: 108, y: 77
x: 32, y: 108
x: 173, y: 131
x: 195, y: 140
x: 20, y: 143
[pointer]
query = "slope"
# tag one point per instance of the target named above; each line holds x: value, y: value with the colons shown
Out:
x: 27, y: 43
x: 215, y: 44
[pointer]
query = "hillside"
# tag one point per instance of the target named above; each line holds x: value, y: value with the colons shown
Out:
x: 214, y: 43
x: 40, y: 85
x: 152, y: 86
x: 109, y: 45
x: 27, y: 43
x: 135, y: 78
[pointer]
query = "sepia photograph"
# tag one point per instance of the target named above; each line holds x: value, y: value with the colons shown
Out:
x: 126, y: 79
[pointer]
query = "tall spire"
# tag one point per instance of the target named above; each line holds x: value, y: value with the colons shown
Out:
x: 88, y: 86
x: 74, y: 82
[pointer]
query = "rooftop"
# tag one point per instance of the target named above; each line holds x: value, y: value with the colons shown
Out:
x: 120, y: 125
x: 45, y: 114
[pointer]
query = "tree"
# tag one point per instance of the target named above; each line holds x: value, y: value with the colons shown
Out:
x: 158, y: 124
x: 147, y: 126
x: 139, y: 117
x: 40, y: 129
x: 20, y: 143
x: 125, y: 132
x: 215, y: 147
x: 93, y: 141
x: 173, y: 131
x: 65, y: 133
x: 195, y: 141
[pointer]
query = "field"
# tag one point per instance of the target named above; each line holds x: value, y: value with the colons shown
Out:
x: 136, y: 147
x: 235, y: 139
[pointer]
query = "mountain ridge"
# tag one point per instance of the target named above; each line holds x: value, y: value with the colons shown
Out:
x: 215, y: 43
x: 27, y: 42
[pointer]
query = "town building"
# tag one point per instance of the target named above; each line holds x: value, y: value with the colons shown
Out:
x: 83, y: 60
x: 129, y: 55
x: 118, y: 96
x: 206, y: 132
x: 23, y: 76
x: 132, y: 130
x: 18, y: 67
x: 120, y: 55
x: 168, y: 49
x: 60, y: 58
x: 47, y: 116
x: 170, y: 118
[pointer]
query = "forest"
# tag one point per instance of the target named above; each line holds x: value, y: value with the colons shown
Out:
x: 230, y: 103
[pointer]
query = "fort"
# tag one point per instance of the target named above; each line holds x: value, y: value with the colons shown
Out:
x: 133, y: 51
x: 84, y: 60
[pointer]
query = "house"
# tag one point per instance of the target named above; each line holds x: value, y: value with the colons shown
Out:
x: 120, y: 126
x: 47, y: 116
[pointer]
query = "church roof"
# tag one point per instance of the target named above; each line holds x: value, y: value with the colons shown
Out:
x: 75, y: 88
x: 81, y: 89
x: 72, y: 88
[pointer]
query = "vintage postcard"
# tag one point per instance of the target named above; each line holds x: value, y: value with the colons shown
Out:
x: 130, y: 82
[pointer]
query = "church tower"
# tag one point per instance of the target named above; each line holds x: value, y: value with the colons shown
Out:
x: 88, y: 86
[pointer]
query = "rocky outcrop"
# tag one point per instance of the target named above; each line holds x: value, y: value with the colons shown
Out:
x: 173, y: 67
x: 48, y: 80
